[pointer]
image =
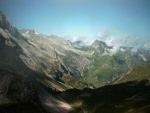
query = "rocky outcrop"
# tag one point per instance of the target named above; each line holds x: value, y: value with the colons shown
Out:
x: 15, y: 87
x: 100, y: 46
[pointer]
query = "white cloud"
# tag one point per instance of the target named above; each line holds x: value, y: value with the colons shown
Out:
x: 114, y: 49
x: 106, y: 36
x: 83, y: 40
x: 89, y: 42
x: 130, y: 40
x: 147, y: 46
x: 103, y: 34
x: 75, y: 38
x: 126, y: 40
x: 110, y: 41
x: 114, y: 39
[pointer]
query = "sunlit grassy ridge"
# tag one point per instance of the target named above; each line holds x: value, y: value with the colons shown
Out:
x: 138, y: 73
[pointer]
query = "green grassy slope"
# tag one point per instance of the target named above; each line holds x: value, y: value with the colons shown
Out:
x: 138, y: 73
x: 78, y: 83
x: 104, y: 68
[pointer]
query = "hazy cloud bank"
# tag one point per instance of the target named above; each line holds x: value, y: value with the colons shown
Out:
x: 127, y: 40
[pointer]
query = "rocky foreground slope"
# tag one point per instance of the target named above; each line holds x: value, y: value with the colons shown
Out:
x: 20, y: 87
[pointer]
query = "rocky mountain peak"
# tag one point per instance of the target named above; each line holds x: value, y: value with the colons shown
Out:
x: 28, y: 32
x: 99, y: 44
x: 4, y: 23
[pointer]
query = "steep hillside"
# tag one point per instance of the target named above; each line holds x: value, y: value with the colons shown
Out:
x: 58, y: 50
x: 136, y: 74
x: 27, y: 56
x: 20, y: 90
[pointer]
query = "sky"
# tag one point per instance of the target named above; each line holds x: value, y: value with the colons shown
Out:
x: 117, y: 22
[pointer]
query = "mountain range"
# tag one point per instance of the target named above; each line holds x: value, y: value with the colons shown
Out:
x: 98, y: 63
x: 40, y: 71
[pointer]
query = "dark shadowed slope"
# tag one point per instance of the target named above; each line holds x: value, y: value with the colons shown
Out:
x: 19, y: 89
x: 129, y: 97
x: 128, y: 94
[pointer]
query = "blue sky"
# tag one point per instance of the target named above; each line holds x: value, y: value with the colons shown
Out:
x: 107, y: 20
